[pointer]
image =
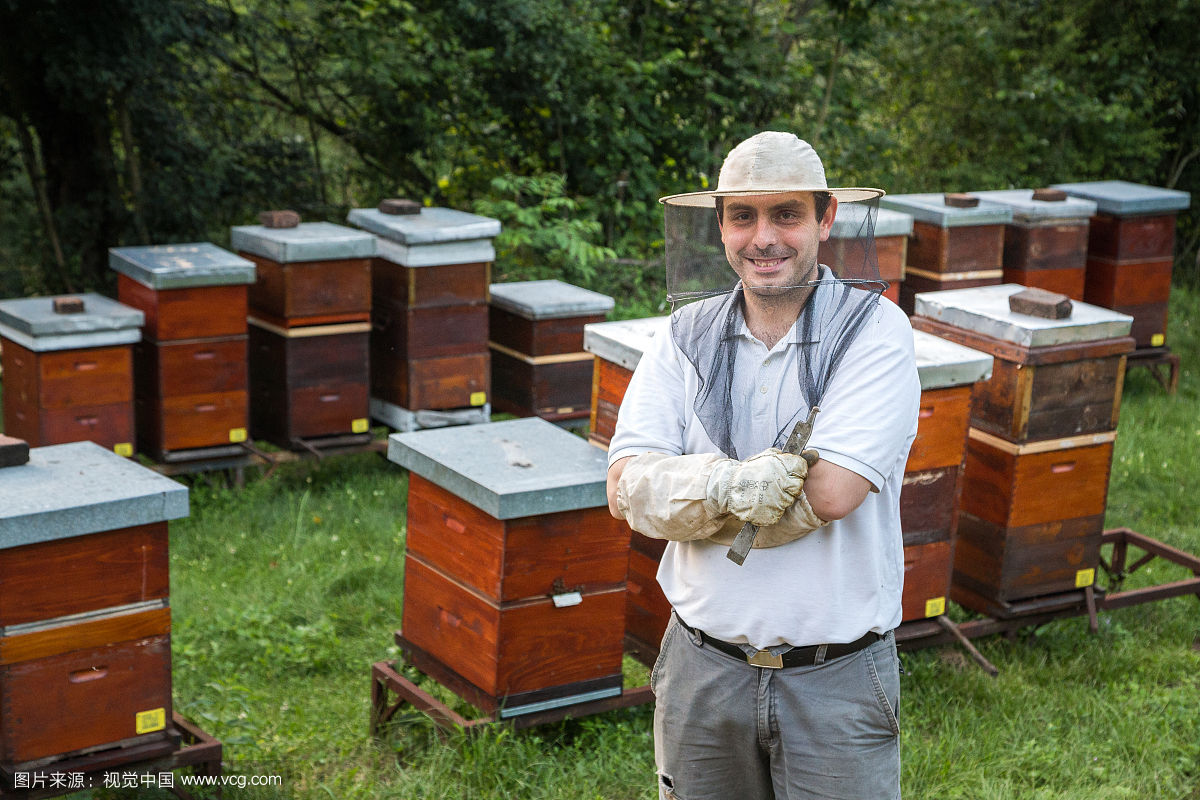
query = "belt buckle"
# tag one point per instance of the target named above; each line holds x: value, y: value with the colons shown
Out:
x: 763, y: 658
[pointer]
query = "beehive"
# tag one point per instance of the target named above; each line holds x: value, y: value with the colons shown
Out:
x: 1131, y: 244
x: 1040, y: 446
x: 68, y: 376
x: 429, y: 292
x: 514, y: 586
x: 309, y: 330
x: 1045, y: 245
x: 929, y: 498
x: 539, y: 366
x: 190, y: 368
x: 952, y: 246
x: 85, y: 657
x: 892, y: 229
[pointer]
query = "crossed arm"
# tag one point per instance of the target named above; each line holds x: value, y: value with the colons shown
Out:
x: 832, y: 491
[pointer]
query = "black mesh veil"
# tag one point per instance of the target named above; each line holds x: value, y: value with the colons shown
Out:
x: 707, y: 302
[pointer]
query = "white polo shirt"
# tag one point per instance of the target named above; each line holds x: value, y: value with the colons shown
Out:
x: 840, y: 581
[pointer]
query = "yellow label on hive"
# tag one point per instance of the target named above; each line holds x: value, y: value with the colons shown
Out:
x: 935, y: 607
x: 149, y: 721
x: 1157, y: 340
x: 359, y: 425
x: 237, y: 434
x: 1085, y: 577
x: 478, y: 398
x: 123, y: 449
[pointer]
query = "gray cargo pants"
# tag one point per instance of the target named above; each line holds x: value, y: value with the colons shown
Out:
x: 724, y: 729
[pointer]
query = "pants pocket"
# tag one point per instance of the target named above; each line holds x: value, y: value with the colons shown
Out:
x: 885, y: 682
x: 668, y: 636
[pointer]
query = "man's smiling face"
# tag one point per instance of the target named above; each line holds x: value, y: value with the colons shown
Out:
x: 771, y: 240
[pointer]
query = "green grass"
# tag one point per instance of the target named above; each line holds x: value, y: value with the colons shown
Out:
x: 285, y: 592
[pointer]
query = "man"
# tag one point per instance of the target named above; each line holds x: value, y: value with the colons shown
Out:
x: 778, y: 677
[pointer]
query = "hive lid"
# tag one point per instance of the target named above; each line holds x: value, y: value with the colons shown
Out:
x: 985, y: 310
x: 942, y: 363
x: 887, y: 223
x: 517, y: 468
x: 933, y: 209
x: 308, y: 241
x: 180, y: 266
x: 548, y: 299
x: 33, y: 323
x: 1122, y: 198
x: 1026, y: 209
x: 430, y: 226
x: 623, y: 341
x: 81, y: 488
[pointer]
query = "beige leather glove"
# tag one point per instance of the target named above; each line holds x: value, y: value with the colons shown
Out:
x: 797, y: 522
x: 759, y: 489
x: 668, y: 497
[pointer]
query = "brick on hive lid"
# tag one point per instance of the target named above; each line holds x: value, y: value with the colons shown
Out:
x: 1040, y: 303
x: 13, y: 452
x: 399, y: 206
x: 68, y: 305
x: 960, y: 200
x: 279, y: 219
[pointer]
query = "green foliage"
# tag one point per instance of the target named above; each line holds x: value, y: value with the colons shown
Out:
x: 544, y: 234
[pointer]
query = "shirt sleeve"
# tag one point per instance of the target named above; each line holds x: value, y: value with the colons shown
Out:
x: 651, y: 418
x: 868, y: 415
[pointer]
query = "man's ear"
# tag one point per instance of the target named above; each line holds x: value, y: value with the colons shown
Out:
x: 827, y: 220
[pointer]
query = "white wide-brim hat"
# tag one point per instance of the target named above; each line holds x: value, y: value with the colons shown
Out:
x: 771, y: 162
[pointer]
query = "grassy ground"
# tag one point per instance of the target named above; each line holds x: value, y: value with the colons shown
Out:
x: 286, y: 591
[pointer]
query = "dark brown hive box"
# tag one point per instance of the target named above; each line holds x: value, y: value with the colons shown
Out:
x: 514, y: 589
x: 952, y: 246
x: 430, y: 315
x: 1045, y: 245
x: 191, y: 366
x: 539, y: 366
x: 68, y: 377
x: 1131, y: 247
x: 313, y: 274
x: 308, y: 382
x: 85, y: 660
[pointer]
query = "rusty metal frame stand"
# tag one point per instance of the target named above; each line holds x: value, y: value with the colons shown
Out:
x: 386, y: 682
x: 197, y: 751
x: 1088, y: 601
x: 1117, y: 569
x: 1153, y: 358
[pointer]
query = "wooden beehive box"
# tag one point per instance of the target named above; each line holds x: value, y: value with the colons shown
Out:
x: 1131, y: 248
x: 308, y: 383
x: 514, y: 591
x: 1045, y: 245
x: 429, y: 309
x: 617, y: 348
x: 933, y: 474
x: 1053, y: 378
x: 190, y: 367
x: 539, y: 366
x: 315, y: 273
x: 951, y: 246
x: 84, y: 609
x: 68, y: 377
x: 1040, y: 447
x: 892, y: 229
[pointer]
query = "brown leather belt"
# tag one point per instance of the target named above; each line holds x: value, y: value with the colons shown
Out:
x: 795, y: 657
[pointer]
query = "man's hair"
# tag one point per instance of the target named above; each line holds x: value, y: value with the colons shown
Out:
x: 820, y: 205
